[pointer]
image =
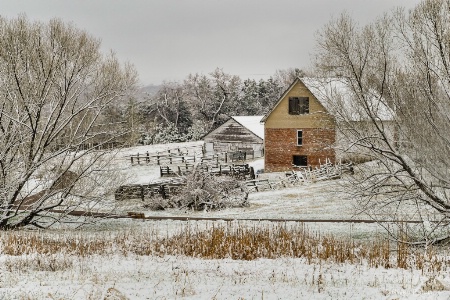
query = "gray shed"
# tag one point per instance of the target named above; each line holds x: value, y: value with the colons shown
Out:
x: 239, y: 133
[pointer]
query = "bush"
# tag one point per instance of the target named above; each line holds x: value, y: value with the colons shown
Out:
x: 204, y: 191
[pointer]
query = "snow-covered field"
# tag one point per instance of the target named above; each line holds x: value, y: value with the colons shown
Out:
x: 144, y: 277
x: 130, y: 276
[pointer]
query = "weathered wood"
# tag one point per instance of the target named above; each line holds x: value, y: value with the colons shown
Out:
x: 136, y: 215
x: 185, y: 169
x: 166, y: 171
x: 232, y: 135
x: 238, y: 156
x: 164, y: 189
x: 258, y: 184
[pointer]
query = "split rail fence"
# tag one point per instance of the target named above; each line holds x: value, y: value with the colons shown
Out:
x: 186, y: 156
x: 166, y: 188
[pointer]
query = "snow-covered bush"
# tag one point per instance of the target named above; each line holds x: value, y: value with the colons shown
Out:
x: 204, y: 191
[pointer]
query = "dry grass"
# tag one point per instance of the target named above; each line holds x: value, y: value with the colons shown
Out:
x: 216, y: 242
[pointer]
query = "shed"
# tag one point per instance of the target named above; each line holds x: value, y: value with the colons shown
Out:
x: 239, y: 133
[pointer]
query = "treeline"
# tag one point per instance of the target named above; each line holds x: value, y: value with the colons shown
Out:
x: 185, y: 111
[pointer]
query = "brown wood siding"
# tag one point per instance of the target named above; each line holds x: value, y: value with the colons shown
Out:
x: 231, y: 136
x: 232, y: 132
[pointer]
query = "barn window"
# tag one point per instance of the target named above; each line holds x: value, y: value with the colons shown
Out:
x: 299, y: 137
x: 300, y: 160
x: 298, y: 105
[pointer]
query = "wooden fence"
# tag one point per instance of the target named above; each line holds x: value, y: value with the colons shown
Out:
x: 178, y: 156
x: 163, y: 188
x: 168, y: 187
x: 241, y: 171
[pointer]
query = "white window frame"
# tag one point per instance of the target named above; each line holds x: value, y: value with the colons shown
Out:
x: 299, y: 130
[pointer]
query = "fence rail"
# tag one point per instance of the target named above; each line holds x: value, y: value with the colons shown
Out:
x: 178, y: 156
x: 138, y: 215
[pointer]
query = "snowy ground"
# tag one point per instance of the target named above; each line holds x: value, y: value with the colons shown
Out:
x: 177, y: 277
x: 169, y: 277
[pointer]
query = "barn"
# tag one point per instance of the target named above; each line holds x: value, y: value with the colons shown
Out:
x: 301, y: 129
x: 239, y: 133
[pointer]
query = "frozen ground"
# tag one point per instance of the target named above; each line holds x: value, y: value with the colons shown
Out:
x: 169, y: 277
x: 177, y: 277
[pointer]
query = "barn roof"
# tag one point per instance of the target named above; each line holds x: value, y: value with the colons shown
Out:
x: 264, y: 118
x: 334, y: 93
x: 252, y: 123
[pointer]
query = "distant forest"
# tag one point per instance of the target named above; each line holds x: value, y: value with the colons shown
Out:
x: 185, y: 111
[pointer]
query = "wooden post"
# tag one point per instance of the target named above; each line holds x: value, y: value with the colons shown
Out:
x: 147, y: 159
x: 252, y: 174
x: 131, y: 159
x: 162, y: 191
x: 138, y: 159
x: 157, y: 159
x: 226, y: 157
x: 141, y: 191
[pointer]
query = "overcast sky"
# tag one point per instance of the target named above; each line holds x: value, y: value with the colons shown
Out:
x: 168, y: 39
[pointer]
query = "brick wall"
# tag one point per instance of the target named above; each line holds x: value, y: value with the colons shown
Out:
x: 281, y: 146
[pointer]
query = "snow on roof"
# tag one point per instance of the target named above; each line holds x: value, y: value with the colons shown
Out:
x: 252, y: 123
x: 336, y: 96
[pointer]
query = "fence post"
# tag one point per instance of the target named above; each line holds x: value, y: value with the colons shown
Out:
x: 131, y: 159
x: 163, y: 191
x: 147, y: 159
x: 141, y: 190
x: 138, y: 159
x: 157, y: 158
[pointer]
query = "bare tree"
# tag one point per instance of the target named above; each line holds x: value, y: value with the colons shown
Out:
x: 171, y: 106
x: 54, y: 89
x: 402, y: 62
x: 285, y: 77
x: 213, y: 97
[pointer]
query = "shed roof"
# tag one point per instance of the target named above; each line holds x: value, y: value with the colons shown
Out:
x: 252, y: 123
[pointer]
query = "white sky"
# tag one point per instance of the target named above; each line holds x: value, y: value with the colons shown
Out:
x: 168, y: 39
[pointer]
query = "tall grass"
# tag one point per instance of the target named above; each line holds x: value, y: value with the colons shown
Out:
x: 234, y: 241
